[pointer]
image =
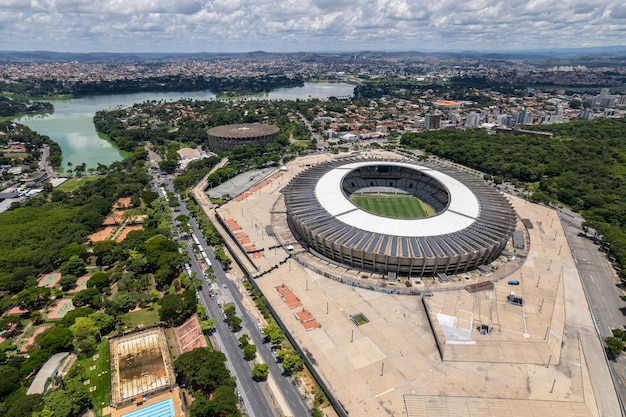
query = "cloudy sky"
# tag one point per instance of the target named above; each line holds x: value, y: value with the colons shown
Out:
x: 308, y: 25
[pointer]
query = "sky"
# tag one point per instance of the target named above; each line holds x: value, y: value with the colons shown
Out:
x: 308, y: 25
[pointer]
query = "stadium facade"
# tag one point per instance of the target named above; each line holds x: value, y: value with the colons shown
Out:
x: 471, y: 226
x: 229, y: 136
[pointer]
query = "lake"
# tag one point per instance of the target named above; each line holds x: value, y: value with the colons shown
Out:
x: 71, y: 124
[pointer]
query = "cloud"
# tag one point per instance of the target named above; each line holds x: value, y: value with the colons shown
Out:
x: 306, y: 25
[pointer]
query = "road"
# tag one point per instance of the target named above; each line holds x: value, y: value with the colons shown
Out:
x: 255, y: 401
x: 600, y: 286
x: 319, y: 141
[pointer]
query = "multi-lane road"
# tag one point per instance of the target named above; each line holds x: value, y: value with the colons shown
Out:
x: 600, y: 286
x: 254, y: 399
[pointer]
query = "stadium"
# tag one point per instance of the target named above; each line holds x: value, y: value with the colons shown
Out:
x: 229, y: 136
x: 397, y: 217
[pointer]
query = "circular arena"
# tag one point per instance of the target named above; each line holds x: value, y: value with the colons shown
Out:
x: 468, y: 223
x: 229, y: 136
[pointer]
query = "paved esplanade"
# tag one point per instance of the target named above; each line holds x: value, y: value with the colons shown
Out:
x: 541, y: 359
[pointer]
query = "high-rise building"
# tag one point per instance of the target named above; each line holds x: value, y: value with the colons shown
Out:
x: 524, y: 117
x: 472, y: 120
x: 586, y: 114
x: 502, y: 119
x: 432, y: 121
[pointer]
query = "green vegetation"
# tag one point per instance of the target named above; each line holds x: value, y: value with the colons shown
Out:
x: 239, y: 85
x: 146, y: 317
x: 74, y: 184
x: 32, y: 143
x: 98, y: 377
x: 214, y: 387
x: 397, y: 206
x: 49, y: 233
x: 13, y: 106
x: 616, y: 344
x: 260, y: 371
x: 582, y: 166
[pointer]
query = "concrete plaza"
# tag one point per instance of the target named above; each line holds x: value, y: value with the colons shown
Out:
x: 540, y: 359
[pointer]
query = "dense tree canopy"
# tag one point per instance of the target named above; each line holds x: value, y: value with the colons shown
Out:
x: 583, y: 166
x: 206, y: 378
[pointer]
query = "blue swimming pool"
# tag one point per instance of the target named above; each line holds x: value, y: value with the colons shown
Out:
x: 163, y: 408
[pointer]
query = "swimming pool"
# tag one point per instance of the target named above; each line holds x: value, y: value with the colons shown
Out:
x: 163, y: 408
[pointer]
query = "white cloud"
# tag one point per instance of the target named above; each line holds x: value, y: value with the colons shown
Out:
x: 316, y: 25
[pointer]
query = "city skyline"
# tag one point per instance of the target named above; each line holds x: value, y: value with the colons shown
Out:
x: 316, y: 26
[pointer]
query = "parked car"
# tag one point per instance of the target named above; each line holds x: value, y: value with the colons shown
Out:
x: 513, y: 282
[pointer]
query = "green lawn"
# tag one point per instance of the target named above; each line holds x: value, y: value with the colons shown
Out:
x: 100, y: 377
x: 397, y: 206
x: 147, y: 317
x: 74, y: 184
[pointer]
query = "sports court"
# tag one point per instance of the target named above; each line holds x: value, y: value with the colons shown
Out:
x: 49, y: 280
x: 189, y: 335
x: 61, y: 309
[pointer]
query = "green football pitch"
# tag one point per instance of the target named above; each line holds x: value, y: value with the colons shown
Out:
x: 398, y: 206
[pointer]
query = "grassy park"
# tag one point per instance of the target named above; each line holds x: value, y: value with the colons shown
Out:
x: 74, y: 184
x: 397, y: 206
x: 97, y: 372
x: 145, y: 317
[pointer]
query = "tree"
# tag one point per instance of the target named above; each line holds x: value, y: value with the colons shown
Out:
x: 121, y: 303
x: 103, y: 321
x: 171, y: 308
x: 104, y: 251
x: 614, y: 347
x: 55, y: 339
x: 208, y: 325
x: 88, y: 297
x: 72, y: 249
x: 292, y: 363
x: 36, y: 317
x: 25, y: 405
x: 249, y: 351
x: 68, y: 402
x: 33, y: 298
x: 230, y: 310
x: 67, y: 282
x: 575, y: 103
x: 235, y: 323
x: 74, y: 266
x: 59, y: 403
x: 225, y: 402
x: 34, y: 362
x: 9, y: 380
x: 244, y: 340
x: 205, y: 378
x: 201, y: 406
x: 71, y: 316
x: 260, y: 372
x: 84, y: 331
x: 100, y: 280
x: 168, y: 166
x: 274, y: 333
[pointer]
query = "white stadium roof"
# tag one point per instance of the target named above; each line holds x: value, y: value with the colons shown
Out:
x: 463, y: 208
